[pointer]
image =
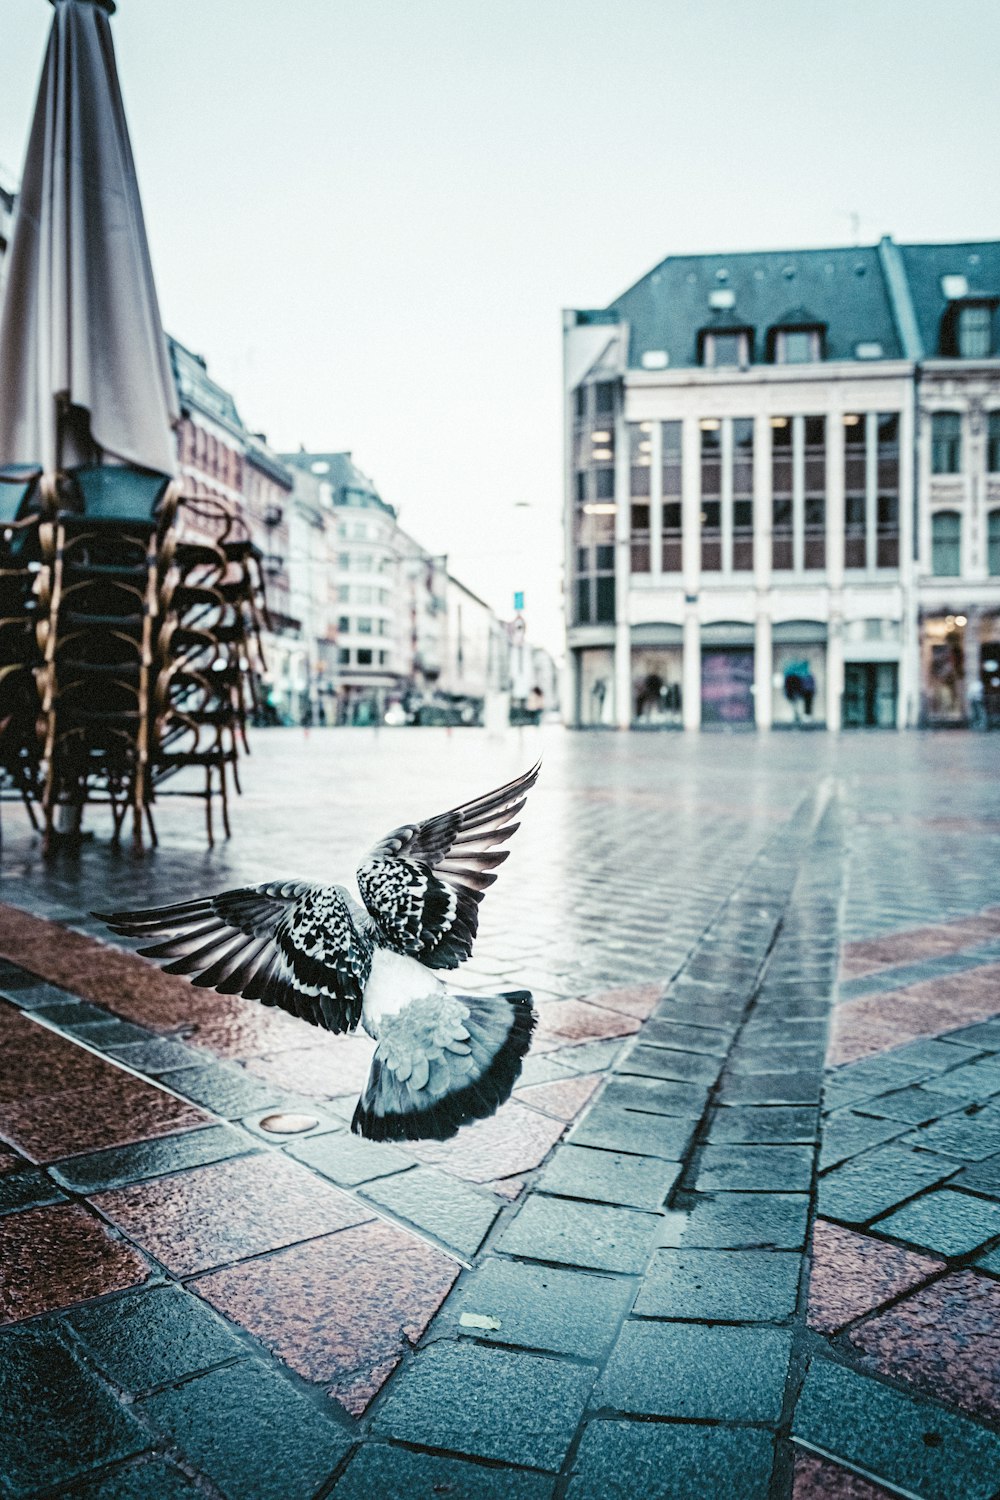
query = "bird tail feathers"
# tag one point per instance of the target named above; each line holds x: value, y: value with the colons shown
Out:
x: 426, y: 1081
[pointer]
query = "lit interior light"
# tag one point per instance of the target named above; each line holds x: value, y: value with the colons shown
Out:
x: 779, y: 421
x: 645, y: 447
x: 600, y: 437
x: 643, y: 462
x: 710, y: 424
x: 961, y: 620
x: 851, y: 421
x: 645, y: 426
x: 600, y: 508
x: 602, y: 453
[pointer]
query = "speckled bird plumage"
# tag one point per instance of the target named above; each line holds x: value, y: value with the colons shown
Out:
x: 442, y: 1058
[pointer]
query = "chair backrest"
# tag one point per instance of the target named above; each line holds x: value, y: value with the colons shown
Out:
x: 17, y: 481
x: 112, y: 492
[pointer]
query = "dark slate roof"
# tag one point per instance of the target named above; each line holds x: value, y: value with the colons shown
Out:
x: 844, y: 289
x: 978, y: 262
x: 350, y: 486
x: 196, y: 390
x: 260, y: 455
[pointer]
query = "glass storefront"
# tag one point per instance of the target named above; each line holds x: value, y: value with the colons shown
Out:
x: 870, y: 689
x: 657, y: 674
x: 942, y: 653
x: 727, y: 685
x: 596, y: 687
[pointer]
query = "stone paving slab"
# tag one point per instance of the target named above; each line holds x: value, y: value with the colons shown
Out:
x: 619, y: 1460
x: 916, y: 1446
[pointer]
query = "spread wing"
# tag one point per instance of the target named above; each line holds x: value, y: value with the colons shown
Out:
x: 285, y: 944
x: 423, y: 884
x: 442, y: 1061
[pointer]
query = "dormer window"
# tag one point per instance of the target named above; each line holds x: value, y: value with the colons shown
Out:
x: 723, y: 348
x: 975, y: 330
x: 797, y: 346
x: 796, y: 339
x: 967, y: 328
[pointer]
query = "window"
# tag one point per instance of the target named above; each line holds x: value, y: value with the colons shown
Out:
x: 855, y: 492
x: 343, y: 656
x: 975, y: 331
x: 594, y: 593
x: 363, y: 561
x: 604, y: 398
x: 671, y: 440
x: 364, y: 625
x: 725, y: 349
x: 743, y: 494
x: 782, y: 546
x: 993, y: 442
x: 640, y: 457
x: 344, y: 593
x: 887, y: 511
x: 993, y: 543
x: 640, y: 539
x: 946, y: 544
x: 344, y: 562
x: 814, y: 502
x: 797, y: 346
x: 344, y: 623
x: 946, y: 442
x: 711, y: 495
x: 362, y: 593
x: 383, y: 657
x: 364, y: 656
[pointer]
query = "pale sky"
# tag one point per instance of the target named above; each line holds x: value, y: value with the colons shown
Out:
x: 368, y: 214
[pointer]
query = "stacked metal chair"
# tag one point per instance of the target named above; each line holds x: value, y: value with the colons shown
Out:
x: 210, y: 611
x: 20, y: 750
x: 102, y: 554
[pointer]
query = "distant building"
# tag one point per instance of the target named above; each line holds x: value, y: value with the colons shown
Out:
x: 211, y: 437
x: 954, y: 291
x: 218, y: 457
x: 770, y: 459
x: 7, y: 201
x: 362, y: 669
x: 408, y: 632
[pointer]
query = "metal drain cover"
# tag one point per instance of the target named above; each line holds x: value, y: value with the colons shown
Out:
x: 288, y: 1124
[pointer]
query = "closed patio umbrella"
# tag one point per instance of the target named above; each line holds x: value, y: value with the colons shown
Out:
x: 84, y: 371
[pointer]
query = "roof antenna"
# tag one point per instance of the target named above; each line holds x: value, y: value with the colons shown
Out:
x: 854, y: 219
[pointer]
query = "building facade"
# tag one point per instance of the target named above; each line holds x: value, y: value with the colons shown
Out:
x: 7, y: 201
x: 752, y: 500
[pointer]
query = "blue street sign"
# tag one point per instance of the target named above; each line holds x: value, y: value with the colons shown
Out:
x: 519, y: 600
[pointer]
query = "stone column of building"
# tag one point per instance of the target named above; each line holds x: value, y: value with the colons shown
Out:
x: 763, y: 657
x: 835, y: 568
x: 908, y: 712
x: 623, y: 573
x: 978, y: 566
x: 691, y: 564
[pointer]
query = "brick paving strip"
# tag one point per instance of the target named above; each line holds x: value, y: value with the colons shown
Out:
x: 649, y: 1286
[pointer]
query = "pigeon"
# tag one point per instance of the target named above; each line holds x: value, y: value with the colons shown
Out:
x: 443, y: 1058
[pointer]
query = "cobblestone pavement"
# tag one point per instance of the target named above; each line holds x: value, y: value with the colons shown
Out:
x: 659, y: 1271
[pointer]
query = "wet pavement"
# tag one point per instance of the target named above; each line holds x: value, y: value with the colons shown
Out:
x: 738, y: 1230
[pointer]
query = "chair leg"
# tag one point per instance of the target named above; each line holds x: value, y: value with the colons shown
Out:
x: 225, y: 800
x: 208, y: 805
